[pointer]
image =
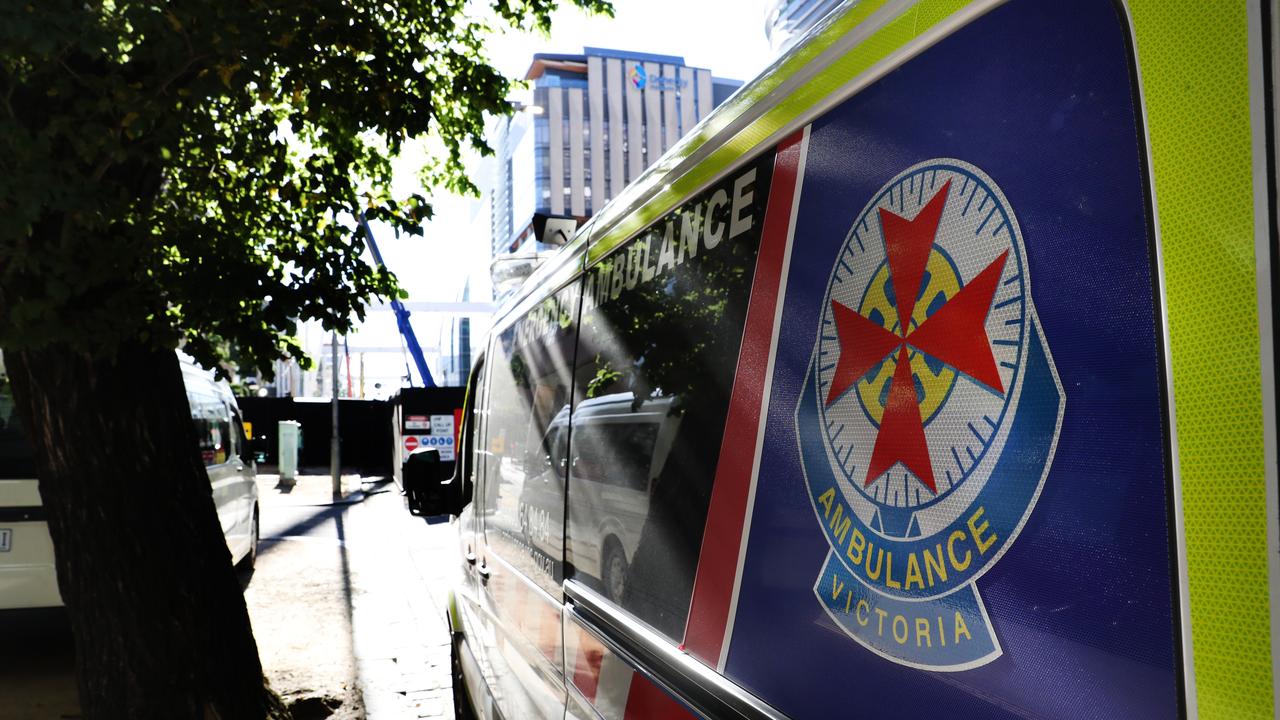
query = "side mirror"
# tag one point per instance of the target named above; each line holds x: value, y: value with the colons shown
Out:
x: 427, y: 491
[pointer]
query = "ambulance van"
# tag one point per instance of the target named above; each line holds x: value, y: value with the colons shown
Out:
x: 930, y: 376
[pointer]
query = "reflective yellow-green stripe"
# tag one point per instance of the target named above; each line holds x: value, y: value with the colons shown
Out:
x: 912, y: 23
x: 455, y: 617
x: 1193, y: 57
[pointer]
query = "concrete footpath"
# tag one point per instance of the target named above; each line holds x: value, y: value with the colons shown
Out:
x: 348, y: 601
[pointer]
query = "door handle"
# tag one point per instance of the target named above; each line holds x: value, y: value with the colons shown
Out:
x: 471, y: 557
x: 484, y: 573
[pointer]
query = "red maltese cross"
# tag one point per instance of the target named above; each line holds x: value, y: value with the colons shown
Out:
x: 955, y: 334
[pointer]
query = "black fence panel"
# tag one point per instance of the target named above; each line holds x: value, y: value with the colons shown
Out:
x: 365, y: 429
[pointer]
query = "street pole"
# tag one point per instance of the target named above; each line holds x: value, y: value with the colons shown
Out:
x: 335, y: 442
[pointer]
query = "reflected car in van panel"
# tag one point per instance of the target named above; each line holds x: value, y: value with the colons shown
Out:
x: 619, y: 447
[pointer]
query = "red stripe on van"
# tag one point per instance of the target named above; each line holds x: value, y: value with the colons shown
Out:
x: 709, y: 609
x: 586, y: 668
x: 647, y: 701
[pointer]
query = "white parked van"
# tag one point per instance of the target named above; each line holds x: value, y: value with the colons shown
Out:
x: 27, y: 575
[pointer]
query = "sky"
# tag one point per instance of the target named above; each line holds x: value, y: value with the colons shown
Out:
x: 737, y: 49
x: 725, y: 36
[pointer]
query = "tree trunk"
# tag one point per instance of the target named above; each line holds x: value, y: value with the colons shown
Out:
x: 160, y: 623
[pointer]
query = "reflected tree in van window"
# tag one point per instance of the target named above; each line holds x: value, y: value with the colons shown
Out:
x: 655, y: 373
x: 605, y: 377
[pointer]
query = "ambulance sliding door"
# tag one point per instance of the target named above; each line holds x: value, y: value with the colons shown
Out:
x: 662, y: 327
x: 529, y: 369
x: 472, y: 455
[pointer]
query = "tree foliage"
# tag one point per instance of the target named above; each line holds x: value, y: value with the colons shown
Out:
x: 180, y: 171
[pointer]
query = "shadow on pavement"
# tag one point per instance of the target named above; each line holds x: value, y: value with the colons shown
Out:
x: 301, y: 602
x: 37, y: 662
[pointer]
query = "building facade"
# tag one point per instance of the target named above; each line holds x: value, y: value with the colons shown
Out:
x: 596, y: 120
x: 786, y: 21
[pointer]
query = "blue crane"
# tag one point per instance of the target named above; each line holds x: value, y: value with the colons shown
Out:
x: 402, y: 317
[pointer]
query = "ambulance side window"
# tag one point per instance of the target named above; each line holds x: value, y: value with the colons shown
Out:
x: 552, y: 453
x: 615, y: 454
x: 212, y: 425
x: 662, y: 325
x: 528, y: 398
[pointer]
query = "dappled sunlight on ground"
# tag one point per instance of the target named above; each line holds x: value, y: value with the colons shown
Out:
x: 347, y: 602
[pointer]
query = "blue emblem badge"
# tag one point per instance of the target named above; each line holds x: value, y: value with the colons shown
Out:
x: 929, y: 415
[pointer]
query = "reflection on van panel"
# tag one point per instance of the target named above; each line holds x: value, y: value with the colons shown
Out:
x: 613, y: 454
x: 618, y: 447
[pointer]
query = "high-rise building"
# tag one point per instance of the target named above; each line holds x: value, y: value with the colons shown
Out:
x: 595, y: 122
x: 786, y: 21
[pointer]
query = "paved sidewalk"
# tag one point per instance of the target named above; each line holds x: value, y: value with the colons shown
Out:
x: 311, y: 490
x: 402, y: 645
x: 348, y: 602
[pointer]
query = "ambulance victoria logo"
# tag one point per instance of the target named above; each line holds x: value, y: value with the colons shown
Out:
x: 929, y: 416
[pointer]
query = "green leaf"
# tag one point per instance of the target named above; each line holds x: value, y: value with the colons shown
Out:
x: 183, y: 171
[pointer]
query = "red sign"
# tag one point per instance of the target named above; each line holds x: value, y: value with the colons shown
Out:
x: 411, y: 443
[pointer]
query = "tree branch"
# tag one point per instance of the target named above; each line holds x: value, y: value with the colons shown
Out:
x: 192, y: 60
